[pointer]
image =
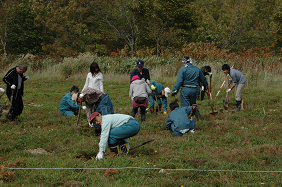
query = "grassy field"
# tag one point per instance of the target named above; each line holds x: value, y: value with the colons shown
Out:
x: 233, y: 149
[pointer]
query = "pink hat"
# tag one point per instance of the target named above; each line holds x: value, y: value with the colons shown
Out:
x: 134, y: 78
x: 93, y: 115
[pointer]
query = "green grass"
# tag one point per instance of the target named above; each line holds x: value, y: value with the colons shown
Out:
x: 245, y: 141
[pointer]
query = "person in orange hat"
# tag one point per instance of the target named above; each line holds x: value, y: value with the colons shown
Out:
x: 116, y: 129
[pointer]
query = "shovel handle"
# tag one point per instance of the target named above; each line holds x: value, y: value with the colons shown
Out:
x: 194, y: 106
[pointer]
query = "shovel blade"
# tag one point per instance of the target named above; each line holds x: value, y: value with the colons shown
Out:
x: 213, y: 114
x: 225, y: 105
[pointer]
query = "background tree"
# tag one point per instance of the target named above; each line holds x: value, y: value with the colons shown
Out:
x: 23, y: 35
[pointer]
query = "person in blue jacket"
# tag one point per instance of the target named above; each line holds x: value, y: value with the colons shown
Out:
x: 159, y: 92
x: 69, y: 107
x: 188, y: 78
x: 142, y: 72
x: 178, y: 120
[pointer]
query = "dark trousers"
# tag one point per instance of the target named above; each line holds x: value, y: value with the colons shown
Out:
x: 17, y: 106
x: 143, y: 112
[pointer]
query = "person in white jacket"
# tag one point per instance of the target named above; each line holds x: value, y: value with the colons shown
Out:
x: 139, y: 92
x: 94, y: 78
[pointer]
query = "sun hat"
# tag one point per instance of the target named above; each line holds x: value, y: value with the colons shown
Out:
x: 74, y: 97
x: 93, y: 115
x: 167, y: 91
x: 134, y: 78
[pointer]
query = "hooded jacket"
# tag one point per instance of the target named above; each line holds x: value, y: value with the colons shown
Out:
x: 139, y: 88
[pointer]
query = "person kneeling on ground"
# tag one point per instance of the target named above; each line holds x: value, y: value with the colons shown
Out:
x: 178, y: 120
x: 116, y: 129
x: 160, y: 94
x: 139, y: 92
x: 68, y: 107
x: 239, y: 82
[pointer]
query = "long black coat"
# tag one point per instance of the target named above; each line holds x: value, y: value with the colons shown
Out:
x: 12, y: 78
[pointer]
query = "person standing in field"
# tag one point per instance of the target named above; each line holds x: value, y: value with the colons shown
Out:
x: 239, y: 82
x: 116, y: 129
x: 188, y: 78
x: 142, y: 72
x: 15, y: 87
x: 94, y: 78
x: 206, y: 70
x: 139, y: 92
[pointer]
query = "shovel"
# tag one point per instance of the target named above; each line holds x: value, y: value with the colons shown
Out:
x: 193, y: 108
x: 212, y: 114
x: 78, y: 116
x: 9, y: 115
x: 225, y: 102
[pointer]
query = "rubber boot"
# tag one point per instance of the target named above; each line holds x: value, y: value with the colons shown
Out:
x: 202, y: 95
x: 143, y: 117
x: 238, y: 106
x: 198, y: 115
x: 198, y: 97
x: 123, y: 148
x: 114, y: 148
x: 133, y: 113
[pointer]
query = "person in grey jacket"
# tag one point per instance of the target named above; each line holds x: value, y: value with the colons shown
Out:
x: 239, y: 82
x: 139, y: 92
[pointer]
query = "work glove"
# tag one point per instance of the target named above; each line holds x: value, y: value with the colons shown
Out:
x: 148, y: 81
x: 210, y: 74
x: 13, y: 86
x: 153, y: 87
x: 27, y: 77
x: 83, y: 107
x: 81, y: 95
x: 203, y: 88
x: 2, y: 90
x: 228, y: 90
x: 165, y: 112
x: 91, y: 124
x: 173, y: 93
x: 99, y: 155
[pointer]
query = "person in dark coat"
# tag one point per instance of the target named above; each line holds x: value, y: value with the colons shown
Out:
x: 143, y: 73
x: 15, y: 87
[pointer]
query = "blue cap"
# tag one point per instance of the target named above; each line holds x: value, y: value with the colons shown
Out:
x: 140, y: 63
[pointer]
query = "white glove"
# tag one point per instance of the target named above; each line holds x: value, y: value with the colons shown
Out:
x: 210, y: 74
x: 13, y: 86
x: 148, y: 81
x: 91, y: 124
x: 99, y: 155
x: 228, y: 90
x: 83, y: 107
x: 81, y: 95
x: 27, y: 77
x: 2, y: 90
x: 203, y: 88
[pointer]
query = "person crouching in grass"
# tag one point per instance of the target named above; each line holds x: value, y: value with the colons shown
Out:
x: 116, y: 129
x: 178, y: 120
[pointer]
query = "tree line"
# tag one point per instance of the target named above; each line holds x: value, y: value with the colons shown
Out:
x: 61, y: 28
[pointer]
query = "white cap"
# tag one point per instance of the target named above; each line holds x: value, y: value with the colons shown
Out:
x: 167, y: 91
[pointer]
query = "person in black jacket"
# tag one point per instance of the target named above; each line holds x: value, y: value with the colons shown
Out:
x: 15, y: 86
